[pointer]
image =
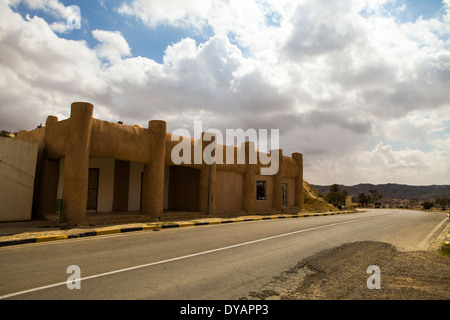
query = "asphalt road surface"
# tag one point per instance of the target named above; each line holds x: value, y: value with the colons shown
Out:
x: 205, y: 262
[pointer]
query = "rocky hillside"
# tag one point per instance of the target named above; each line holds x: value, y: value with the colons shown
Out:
x: 313, y: 201
x: 395, y: 191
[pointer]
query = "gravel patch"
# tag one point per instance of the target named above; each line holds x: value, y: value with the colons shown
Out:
x: 340, y: 273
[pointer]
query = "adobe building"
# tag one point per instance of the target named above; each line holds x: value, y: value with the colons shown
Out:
x: 100, y: 166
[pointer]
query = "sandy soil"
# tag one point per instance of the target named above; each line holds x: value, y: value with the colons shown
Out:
x: 340, y: 273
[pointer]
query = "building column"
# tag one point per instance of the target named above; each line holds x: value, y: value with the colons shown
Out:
x: 203, y: 184
x: 153, y: 178
x: 298, y: 157
x: 76, y: 168
x: 212, y: 190
x: 249, y: 183
x: 207, y: 179
x: 277, y: 185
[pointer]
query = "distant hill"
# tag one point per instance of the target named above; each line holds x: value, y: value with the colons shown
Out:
x: 394, y: 191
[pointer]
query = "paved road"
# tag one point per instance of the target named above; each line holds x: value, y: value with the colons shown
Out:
x: 207, y: 262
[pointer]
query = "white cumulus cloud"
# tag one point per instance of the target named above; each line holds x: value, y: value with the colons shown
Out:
x: 363, y: 96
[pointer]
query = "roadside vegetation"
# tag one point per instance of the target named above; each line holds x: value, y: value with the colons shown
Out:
x: 440, y: 203
x: 336, y: 196
x: 7, y: 134
x: 445, y: 250
x: 373, y: 199
x: 443, y: 201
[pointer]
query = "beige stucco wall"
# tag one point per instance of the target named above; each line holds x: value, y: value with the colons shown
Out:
x: 228, y: 191
x: 17, y: 172
x: 290, y: 191
x: 105, y: 183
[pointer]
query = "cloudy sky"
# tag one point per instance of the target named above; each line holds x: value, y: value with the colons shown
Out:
x: 360, y: 87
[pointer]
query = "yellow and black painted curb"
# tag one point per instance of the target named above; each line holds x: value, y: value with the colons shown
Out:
x: 447, y: 239
x: 163, y: 225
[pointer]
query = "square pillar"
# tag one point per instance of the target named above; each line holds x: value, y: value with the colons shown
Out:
x: 207, y: 181
x: 298, y: 157
x: 76, y: 168
x: 153, y: 178
x: 277, y: 185
x: 249, y: 183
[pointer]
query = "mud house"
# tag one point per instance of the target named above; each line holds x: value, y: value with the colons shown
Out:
x: 100, y: 166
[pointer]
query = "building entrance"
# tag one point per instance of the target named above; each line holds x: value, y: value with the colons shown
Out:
x: 93, y: 189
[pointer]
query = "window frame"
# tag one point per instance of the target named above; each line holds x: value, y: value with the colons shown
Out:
x: 261, y: 186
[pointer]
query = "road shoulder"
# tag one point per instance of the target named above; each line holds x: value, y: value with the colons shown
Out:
x: 343, y: 273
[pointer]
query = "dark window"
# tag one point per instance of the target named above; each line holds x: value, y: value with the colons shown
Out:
x: 260, y: 190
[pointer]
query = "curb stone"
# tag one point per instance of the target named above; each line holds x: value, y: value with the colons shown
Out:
x: 447, y: 239
x: 159, y: 226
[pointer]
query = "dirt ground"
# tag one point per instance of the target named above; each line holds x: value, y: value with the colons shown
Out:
x: 340, y: 273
